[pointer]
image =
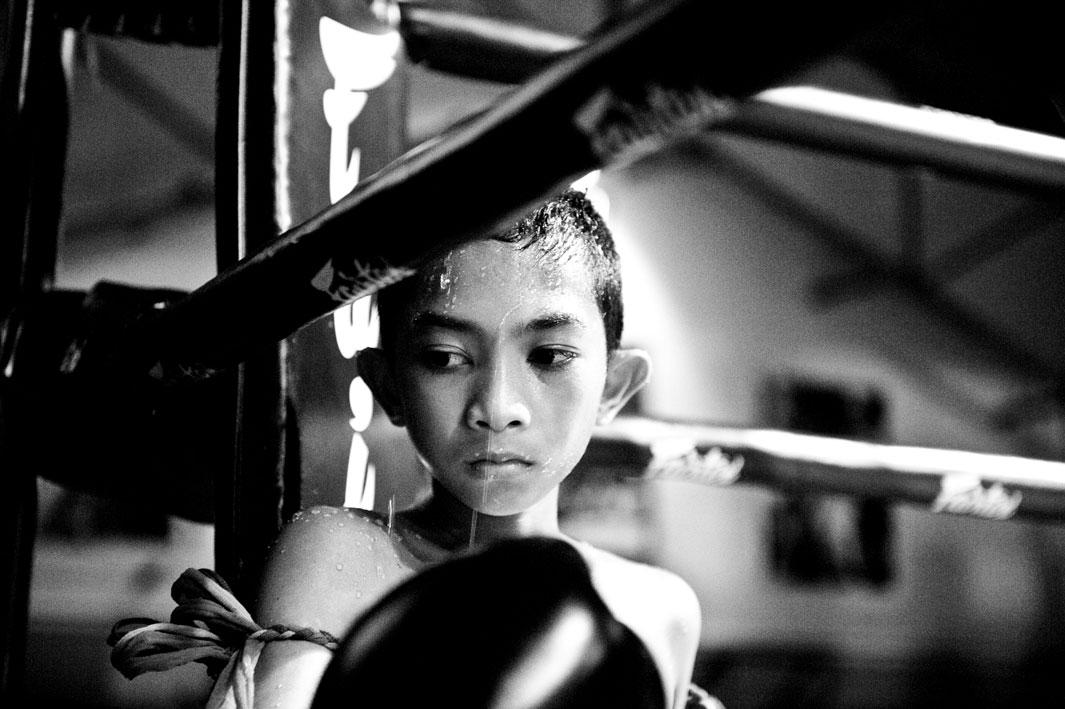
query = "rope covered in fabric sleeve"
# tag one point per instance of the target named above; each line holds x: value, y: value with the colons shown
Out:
x: 208, y: 625
x: 699, y: 698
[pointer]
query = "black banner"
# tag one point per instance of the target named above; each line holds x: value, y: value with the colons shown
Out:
x: 341, y: 88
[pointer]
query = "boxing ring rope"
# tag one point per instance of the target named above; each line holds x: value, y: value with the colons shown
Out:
x: 502, y: 51
x: 590, y: 107
x: 981, y: 485
x: 478, y: 47
x: 298, y: 264
x: 631, y: 90
x: 311, y: 269
x: 967, y: 147
x: 628, y: 92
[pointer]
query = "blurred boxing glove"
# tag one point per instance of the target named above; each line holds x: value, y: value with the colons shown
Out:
x: 516, y: 626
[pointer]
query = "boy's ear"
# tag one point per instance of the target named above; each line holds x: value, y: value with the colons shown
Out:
x: 376, y: 371
x: 627, y: 370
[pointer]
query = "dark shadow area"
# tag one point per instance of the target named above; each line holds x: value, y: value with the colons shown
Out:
x: 766, y: 677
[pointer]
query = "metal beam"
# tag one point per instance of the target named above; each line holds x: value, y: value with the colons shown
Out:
x: 876, y: 269
x: 145, y: 93
x: 1020, y: 225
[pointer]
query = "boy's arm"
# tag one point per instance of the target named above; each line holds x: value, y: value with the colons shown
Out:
x: 685, y: 633
x: 288, y: 673
x: 304, y: 586
x: 660, y: 607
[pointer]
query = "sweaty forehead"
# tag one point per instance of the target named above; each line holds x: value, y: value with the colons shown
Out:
x: 506, y: 271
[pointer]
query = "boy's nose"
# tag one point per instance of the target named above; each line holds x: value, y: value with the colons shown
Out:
x: 497, y: 405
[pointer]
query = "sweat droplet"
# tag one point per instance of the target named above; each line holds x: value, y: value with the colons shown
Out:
x: 340, y: 567
x: 445, y: 274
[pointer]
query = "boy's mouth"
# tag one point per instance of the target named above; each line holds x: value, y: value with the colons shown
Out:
x: 500, y: 458
x: 500, y: 463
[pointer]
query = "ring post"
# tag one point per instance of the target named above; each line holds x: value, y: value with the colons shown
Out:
x: 249, y: 492
x: 33, y: 117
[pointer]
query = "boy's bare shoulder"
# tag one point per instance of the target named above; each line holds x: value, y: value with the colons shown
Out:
x: 322, y: 532
x: 323, y: 522
x: 658, y: 606
x: 327, y: 564
x: 640, y: 587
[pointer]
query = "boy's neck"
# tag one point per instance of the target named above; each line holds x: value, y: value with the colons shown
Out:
x: 451, y: 525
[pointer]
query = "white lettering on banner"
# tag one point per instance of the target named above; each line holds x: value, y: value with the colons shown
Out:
x: 358, y: 61
x: 355, y: 326
x: 964, y: 494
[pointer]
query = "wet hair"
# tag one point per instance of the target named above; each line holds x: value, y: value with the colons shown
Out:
x: 564, y: 226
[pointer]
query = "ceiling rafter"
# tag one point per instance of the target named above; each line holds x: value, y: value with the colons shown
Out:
x: 875, y: 271
x: 1008, y: 232
x: 144, y: 93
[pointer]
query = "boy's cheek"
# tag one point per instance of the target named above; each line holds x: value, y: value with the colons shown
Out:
x: 577, y: 393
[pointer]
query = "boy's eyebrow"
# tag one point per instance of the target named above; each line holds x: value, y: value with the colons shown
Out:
x: 429, y: 319
x: 550, y: 321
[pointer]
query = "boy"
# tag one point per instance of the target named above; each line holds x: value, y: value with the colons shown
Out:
x: 499, y: 358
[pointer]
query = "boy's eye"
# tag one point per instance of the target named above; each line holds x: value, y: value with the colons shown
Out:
x: 442, y: 359
x: 551, y: 356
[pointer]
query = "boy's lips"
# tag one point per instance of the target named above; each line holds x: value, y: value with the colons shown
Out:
x: 500, y: 463
x: 499, y: 458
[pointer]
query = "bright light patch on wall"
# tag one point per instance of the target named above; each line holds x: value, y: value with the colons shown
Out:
x: 653, y: 321
x: 589, y: 184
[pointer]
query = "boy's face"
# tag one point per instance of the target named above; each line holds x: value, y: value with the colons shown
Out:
x: 499, y: 372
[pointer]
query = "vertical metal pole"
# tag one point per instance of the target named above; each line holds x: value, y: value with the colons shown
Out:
x: 33, y: 116
x: 249, y: 500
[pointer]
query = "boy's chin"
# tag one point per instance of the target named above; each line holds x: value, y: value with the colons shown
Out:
x: 500, y: 503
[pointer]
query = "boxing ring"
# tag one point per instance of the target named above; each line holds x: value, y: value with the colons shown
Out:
x: 578, y: 105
